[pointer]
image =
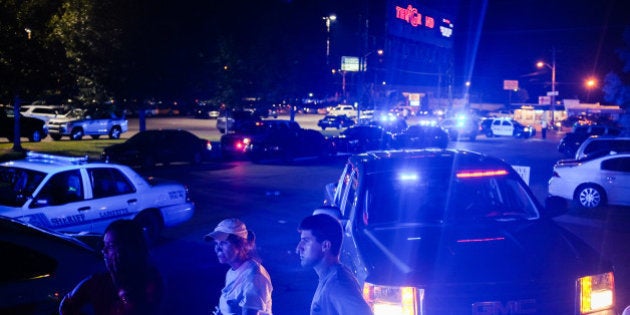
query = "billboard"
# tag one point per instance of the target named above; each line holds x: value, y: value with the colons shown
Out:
x: 409, y: 20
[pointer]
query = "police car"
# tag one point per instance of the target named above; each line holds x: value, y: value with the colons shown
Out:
x: 69, y: 194
x: 440, y: 231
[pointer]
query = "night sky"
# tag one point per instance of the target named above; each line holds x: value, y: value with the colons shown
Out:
x: 516, y: 34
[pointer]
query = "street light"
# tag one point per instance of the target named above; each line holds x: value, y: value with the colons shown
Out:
x: 541, y: 64
x: 328, y: 20
x: 590, y: 84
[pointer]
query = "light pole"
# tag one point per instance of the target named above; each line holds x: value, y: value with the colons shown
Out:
x: 541, y: 64
x: 363, y: 69
x: 328, y: 20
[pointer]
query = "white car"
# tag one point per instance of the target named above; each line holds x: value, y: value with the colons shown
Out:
x: 593, y: 182
x: 70, y: 195
x: 343, y: 109
x: 43, y: 112
x: 504, y: 126
x: 93, y: 122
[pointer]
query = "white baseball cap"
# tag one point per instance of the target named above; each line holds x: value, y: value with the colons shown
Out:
x: 226, y: 227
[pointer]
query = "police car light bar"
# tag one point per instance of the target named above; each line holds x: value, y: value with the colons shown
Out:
x: 33, y: 156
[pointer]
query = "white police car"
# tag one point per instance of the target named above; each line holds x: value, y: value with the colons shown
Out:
x: 68, y: 194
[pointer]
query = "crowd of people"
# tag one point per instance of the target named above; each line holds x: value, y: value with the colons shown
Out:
x: 133, y: 285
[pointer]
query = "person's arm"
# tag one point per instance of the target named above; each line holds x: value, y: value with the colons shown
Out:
x: 73, y: 302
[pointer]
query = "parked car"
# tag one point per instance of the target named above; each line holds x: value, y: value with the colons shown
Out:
x: 572, y: 140
x: 165, y: 146
x: 282, y: 140
x: 93, y: 122
x: 68, y: 194
x: 459, y: 128
x: 343, y: 109
x: 39, y: 267
x: 43, y: 112
x: 207, y: 111
x: 389, y: 122
x: 595, y: 182
x: 235, y: 120
x: 417, y: 136
x: 32, y: 128
x: 602, y: 145
x: 338, y: 122
x: 362, y: 138
x: 505, y: 126
x: 437, y: 231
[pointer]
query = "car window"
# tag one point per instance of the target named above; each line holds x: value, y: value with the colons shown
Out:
x: 434, y: 197
x: 17, y: 184
x: 21, y: 263
x: 621, y: 164
x: 350, y: 184
x: 107, y: 182
x: 61, y: 188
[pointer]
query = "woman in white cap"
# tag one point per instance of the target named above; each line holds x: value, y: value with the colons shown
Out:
x: 247, y: 284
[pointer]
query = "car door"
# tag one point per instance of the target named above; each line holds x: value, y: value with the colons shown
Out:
x: 61, y: 203
x: 615, y: 177
x: 114, y: 194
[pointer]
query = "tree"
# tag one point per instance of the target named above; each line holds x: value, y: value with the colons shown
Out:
x: 617, y: 87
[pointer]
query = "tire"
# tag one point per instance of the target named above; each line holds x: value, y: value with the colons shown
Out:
x: 95, y: 137
x: 56, y: 137
x: 76, y: 134
x: 151, y: 223
x: 489, y: 134
x: 36, y: 136
x: 115, y: 133
x: 590, y: 196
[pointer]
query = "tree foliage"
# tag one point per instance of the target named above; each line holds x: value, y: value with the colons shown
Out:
x: 617, y: 86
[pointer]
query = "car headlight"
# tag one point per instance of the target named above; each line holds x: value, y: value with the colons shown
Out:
x: 596, y: 292
x: 386, y: 300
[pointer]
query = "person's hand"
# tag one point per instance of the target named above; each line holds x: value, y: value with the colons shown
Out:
x: 216, y: 311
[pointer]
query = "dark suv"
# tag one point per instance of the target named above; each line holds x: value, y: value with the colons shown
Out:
x: 455, y: 232
x: 571, y: 141
x: 32, y: 128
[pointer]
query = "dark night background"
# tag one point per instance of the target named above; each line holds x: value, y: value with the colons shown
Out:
x: 275, y: 49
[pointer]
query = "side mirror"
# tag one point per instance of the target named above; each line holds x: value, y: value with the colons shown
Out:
x: 555, y: 206
x: 329, y: 210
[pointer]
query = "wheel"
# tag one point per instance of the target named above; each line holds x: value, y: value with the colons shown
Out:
x: 56, y: 137
x: 115, y: 133
x: 151, y: 223
x: 36, y: 136
x: 590, y: 196
x: 76, y: 134
x: 95, y: 137
x: 489, y: 134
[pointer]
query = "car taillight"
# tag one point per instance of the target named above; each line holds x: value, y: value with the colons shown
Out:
x: 596, y: 292
x: 393, y: 300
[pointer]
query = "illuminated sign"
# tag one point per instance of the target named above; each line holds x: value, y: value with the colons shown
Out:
x: 421, y: 24
x: 350, y: 63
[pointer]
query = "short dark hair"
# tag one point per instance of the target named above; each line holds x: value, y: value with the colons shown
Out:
x: 130, y: 234
x: 324, y: 228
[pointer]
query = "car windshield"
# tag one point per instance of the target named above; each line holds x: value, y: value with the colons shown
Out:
x: 437, y: 197
x: 17, y: 184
